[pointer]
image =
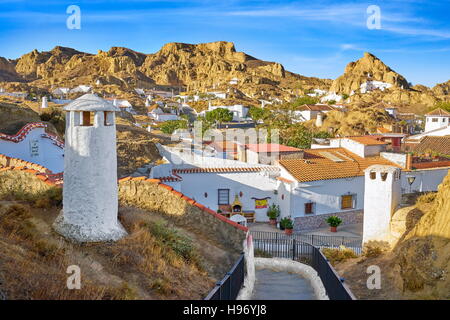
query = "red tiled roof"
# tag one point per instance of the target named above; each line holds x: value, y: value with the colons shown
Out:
x: 23, y: 132
x: 438, y: 112
x: 367, y: 140
x: 436, y: 144
x: 224, y: 170
x: 317, y: 166
x: 270, y: 147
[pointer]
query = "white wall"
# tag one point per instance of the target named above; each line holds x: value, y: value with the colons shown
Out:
x: 251, y: 184
x: 398, y: 158
x: 49, y: 155
x: 426, y: 180
x: 326, y: 194
x: 356, y: 147
x: 442, y: 122
x: 381, y: 200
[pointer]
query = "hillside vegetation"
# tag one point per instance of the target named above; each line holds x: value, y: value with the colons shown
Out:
x: 159, y: 259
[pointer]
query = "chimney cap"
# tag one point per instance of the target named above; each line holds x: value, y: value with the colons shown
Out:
x: 90, y: 102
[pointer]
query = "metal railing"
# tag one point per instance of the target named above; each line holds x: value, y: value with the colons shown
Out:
x: 228, y: 288
x: 301, y: 251
x: 320, y: 241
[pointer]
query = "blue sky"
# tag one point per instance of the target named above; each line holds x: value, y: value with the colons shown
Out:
x: 313, y: 38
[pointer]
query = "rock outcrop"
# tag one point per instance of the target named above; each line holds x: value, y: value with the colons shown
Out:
x: 205, y: 66
x: 368, y: 68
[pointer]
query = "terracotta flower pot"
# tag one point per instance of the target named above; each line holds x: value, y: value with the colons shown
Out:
x: 333, y: 229
x: 273, y: 221
x: 288, y: 231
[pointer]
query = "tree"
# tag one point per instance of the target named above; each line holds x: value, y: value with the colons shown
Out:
x: 219, y: 115
x: 170, y: 126
x: 304, y: 100
x: 257, y: 113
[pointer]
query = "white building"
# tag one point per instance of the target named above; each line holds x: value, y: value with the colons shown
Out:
x: 308, y: 112
x: 332, y: 96
x: 317, y: 93
x: 44, y: 104
x: 382, y: 197
x: 81, y: 89
x: 90, y: 200
x: 218, y: 94
x: 239, y: 111
x: 33, y: 144
x: 437, y: 119
x: 373, y: 85
x: 61, y: 92
x: 157, y: 114
x: 124, y: 105
x: 308, y: 187
x: 234, y: 81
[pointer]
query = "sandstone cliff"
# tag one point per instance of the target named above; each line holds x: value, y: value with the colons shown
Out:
x: 192, y: 66
x: 368, y: 68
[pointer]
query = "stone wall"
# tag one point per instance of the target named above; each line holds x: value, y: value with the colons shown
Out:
x: 23, y: 181
x: 152, y: 195
x: 318, y: 221
x: 6, y: 161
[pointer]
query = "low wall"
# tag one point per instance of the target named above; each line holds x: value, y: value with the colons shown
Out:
x: 291, y: 266
x: 6, y: 161
x: 20, y: 180
x: 250, y: 274
x: 152, y: 195
x: 318, y: 221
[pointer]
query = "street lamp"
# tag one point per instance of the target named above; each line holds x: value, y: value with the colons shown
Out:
x: 410, y: 181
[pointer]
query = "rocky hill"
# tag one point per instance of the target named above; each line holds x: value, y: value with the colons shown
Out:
x: 206, y: 67
x: 192, y: 66
x: 368, y: 68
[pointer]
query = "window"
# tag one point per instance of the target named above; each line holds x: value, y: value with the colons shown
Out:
x: 109, y: 118
x: 224, y: 196
x: 348, y: 201
x: 435, y: 120
x: 86, y: 118
x: 309, y: 207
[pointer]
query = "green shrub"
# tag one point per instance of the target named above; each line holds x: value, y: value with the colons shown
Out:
x: 274, y: 211
x: 333, y: 221
x: 180, y: 244
x: 170, y: 126
x: 338, y: 255
x: 372, y: 251
x: 287, y: 223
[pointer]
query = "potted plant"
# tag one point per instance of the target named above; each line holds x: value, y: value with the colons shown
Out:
x: 273, y: 213
x: 288, y: 225
x: 334, y: 222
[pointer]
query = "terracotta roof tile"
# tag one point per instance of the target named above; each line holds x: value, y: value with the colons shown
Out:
x: 438, y: 112
x: 367, y: 140
x: 437, y: 144
x: 316, y: 166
